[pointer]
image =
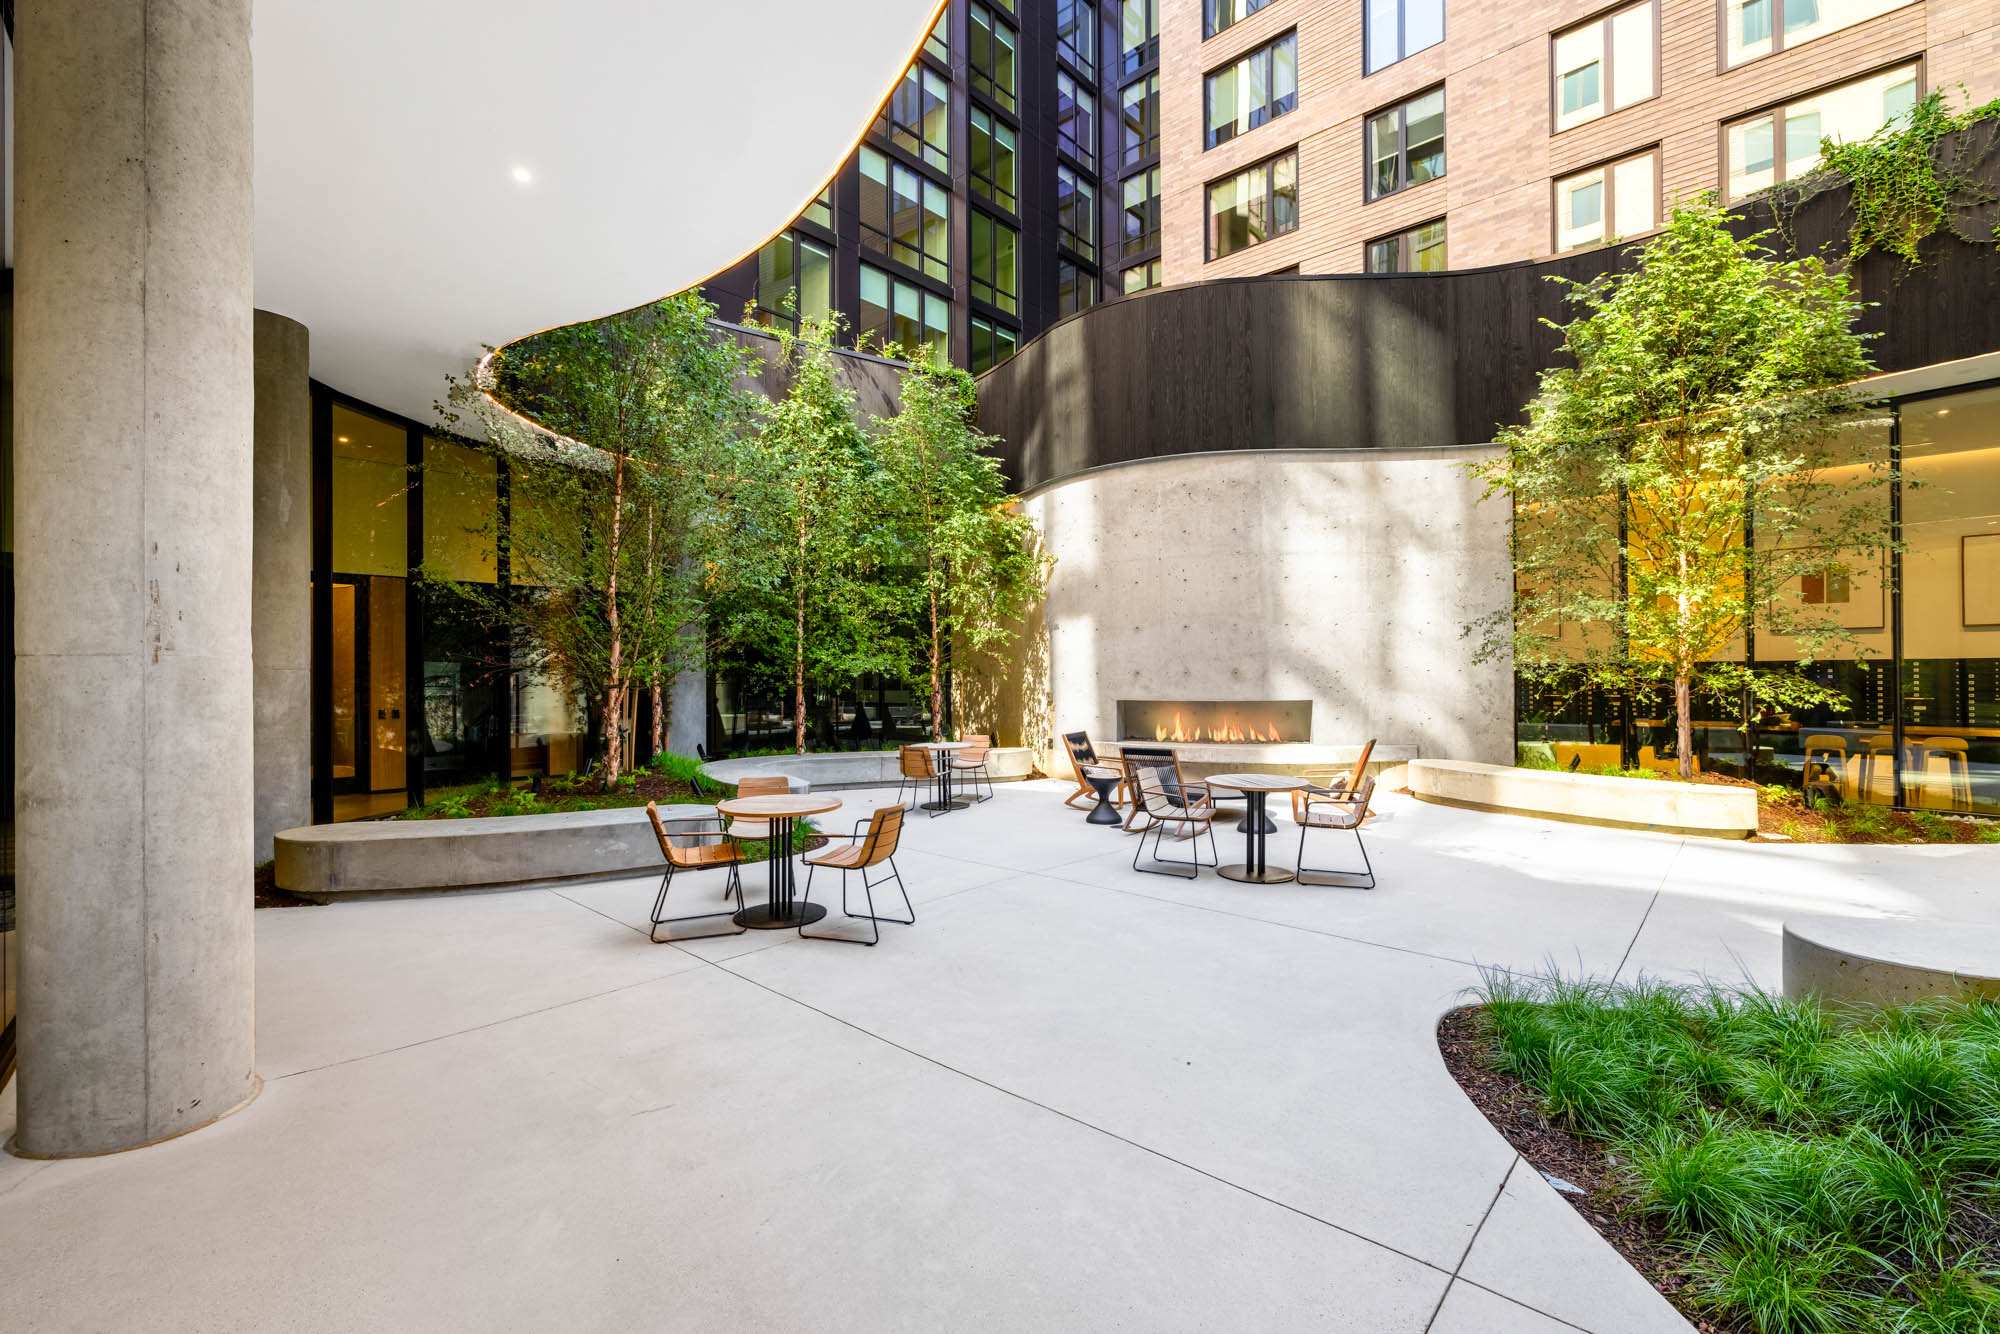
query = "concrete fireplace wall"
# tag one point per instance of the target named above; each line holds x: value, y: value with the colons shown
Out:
x: 1341, y: 576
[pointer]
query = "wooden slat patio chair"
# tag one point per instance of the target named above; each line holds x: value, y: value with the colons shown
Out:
x: 972, y: 763
x: 869, y: 847
x: 1083, y: 755
x: 1337, y: 810
x: 694, y: 843
x: 913, y: 764
x: 758, y: 785
x: 1178, y: 787
x: 1157, y: 787
x: 1328, y: 781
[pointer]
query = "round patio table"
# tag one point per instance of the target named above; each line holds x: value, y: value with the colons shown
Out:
x: 943, y: 751
x: 1256, y: 828
x: 781, y: 908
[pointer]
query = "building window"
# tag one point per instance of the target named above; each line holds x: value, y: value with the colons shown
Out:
x: 1606, y: 64
x: 1141, y: 277
x: 995, y: 262
x: 1076, y: 288
x: 914, y: 120
x: 1399, y: 28
x: 1076, y: 213
x: 898, y: 311
x: 1074, y: 132
x: 939, y: 41
x: 1142, y: 214
x: 1259, y: 87
x: 1784, y: 143
x: 1076, y: 34
x: 1406, y: 145
x: 991, y: 57
x: 1219, y: 14
x: 820, y: 211
x: 1139, y: 121
x: 991, y: 344
x: 793, y: 268
x: 1253, y: 206
x: 905, y: 215
x: 1753, y: 28
x: 993, y: 160
x: 1608, y: 203
x: 1419, y: 250
x: 1139, y: 34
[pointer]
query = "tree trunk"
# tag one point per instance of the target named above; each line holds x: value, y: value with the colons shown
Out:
x: 614, y: 710
x: 659, y: 719
x: 1684, y: 726
x: 937, y: 678
x: 799, y: 649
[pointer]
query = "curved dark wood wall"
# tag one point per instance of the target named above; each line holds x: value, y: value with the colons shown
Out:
x: 1345, y: 361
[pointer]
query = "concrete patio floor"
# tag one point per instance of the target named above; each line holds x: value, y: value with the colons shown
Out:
x: 1071, y: 1097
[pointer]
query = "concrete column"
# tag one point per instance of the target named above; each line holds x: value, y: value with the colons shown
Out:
x: 133, y: 465
x: 281, y: 581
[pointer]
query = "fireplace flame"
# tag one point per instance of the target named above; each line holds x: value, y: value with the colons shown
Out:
x: 1226, y: 730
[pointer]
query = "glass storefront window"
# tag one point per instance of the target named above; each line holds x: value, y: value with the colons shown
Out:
x: 1951, y: 602
x: 369, y: 661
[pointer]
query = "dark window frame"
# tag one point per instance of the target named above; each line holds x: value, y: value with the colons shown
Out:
x: 1079, y: 149
x: 1401, y: 109
x: 981, y: 81
x: 798, y: 240
x: 975, y: 281
x: 1149, y: 149
x: 1088, y: 280
x: 1402, y: 35
x: 1405, y: 240
x: 926, y: 288
x: 1085, y: 68
x: 1272, y: 109
x: 974, y: 179
x: 1150, y: 267
x: 1210, y: 28
x: 1084, y: 248
x: 1775, y: 109
x: 1778, y: 43
x: 993, y: 330
x: 1268, y: 166
x: 1610, y: 199
x: 1151, y: 239
x: 1148, y: 52
x: 1609, y: 78
x: 886, y: 127
x: 891, y: 248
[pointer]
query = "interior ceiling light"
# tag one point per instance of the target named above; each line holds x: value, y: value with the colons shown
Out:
x: 522, y: 176
x: 1944, y: 412
x: 341, y: 438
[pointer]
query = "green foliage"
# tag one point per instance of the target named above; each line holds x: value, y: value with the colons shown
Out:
x: 1904, y: 186
x: 680, y: 768
x: 1819, y: 1169
x: 1704, y: 395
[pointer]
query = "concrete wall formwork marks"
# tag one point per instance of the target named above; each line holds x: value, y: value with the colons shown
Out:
x: 1346, y: 578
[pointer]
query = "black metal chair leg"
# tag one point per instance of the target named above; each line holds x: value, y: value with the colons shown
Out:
x: 735, y: 882
x: 844, y: 940
x: 1336, y: 879
x: 1167, y: 865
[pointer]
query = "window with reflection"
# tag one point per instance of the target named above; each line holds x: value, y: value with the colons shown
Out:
x: 939, y: 41
x: 1753, y: 28
x: 1076, y: 34
x: 1784, y: 143
x: 1618, y: 199
x: 905, y: 215
x: 991, y: 344
x: 1076, y: 288
x: 820, y: 211
x: 990, y: 57
x: 1418, y: 250
x: 1140, y: 277
x: 1141, y: 214
x: 993, y: 159
x: 897, y: 311
x: 915, y: 117
x: 794, y: 281
x: 1253, y: 206
x: 368, y: 661
x: 1395, y: 29
x: 1076, y: 134
x: 1951, y: 602
x: 1139, y: 121
x: 1219, y: 14
x: 1261, y: 86
x: 994, y: 262
x: 1606, y: 64
x: 1139, y: 34
x: 1406, y: 144
x: 1076, y: 213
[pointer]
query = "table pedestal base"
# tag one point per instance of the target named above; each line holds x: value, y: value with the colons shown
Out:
x: 764, y: 918
x: 1255, y: 876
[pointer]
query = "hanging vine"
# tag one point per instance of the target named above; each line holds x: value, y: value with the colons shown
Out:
x: 1907, y: 182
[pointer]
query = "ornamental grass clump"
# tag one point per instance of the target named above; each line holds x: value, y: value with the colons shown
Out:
x: 1813, y: 1168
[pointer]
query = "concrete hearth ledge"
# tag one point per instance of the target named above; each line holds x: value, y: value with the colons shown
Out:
x: 1890, y: 960
x: 332, y: 861
x: 1627, y: 803
x: 856, y: 768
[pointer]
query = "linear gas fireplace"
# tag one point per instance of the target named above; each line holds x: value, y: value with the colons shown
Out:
x: 1260, y: 721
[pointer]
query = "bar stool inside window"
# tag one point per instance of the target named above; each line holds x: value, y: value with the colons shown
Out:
x: 1871, y: 747
x: 1957, y: 767
x: 1830, y: 754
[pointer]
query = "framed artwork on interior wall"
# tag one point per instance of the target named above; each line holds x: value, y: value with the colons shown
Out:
x: 1979, y: 578
x: 1855, y: 595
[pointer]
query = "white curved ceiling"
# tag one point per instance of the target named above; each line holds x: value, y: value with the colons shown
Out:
x: 661, y: 139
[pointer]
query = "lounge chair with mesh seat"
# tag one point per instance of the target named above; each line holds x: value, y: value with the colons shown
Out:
x: 1173, y: 807
x: 1337, y: 810
x: 872, y: 844
x: 694, y: 843
x: 1082, y: 756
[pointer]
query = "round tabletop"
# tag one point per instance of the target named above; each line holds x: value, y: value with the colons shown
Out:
x: 941, y: 745
x: 1255, y: 782
x: 781, y: 806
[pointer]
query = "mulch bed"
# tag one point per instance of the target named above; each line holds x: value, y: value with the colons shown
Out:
x: 1797, y: 822
x: 1515, y: 1113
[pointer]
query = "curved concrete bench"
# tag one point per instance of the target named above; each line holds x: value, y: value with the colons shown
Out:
x: 1628, y: 803
x: 330, y: 861
x: 1890, y: 960
x: 856, y: 768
